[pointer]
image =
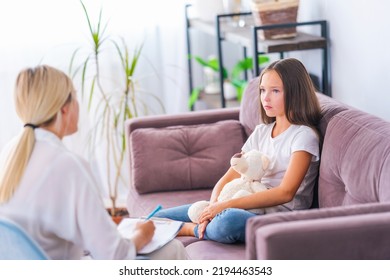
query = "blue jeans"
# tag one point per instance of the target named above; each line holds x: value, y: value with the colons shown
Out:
x: 226, y: 227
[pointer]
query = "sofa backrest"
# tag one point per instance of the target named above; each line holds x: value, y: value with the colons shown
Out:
x: 249, y: 109
x: 355, y: 163
x: 329, y: 108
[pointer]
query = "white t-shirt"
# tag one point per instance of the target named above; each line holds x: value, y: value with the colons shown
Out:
x: 279, y: 151
x: 59, y: 205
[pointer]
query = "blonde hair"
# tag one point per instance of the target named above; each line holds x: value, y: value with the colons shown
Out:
x: 39, y: 95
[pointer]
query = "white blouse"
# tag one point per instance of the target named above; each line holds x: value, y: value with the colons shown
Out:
x: 59, y: 205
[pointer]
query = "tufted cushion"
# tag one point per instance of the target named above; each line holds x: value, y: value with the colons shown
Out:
x: 355, y: 161
x: 184, y: 157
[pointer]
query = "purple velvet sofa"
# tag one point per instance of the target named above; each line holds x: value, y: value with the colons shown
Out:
x: 177, y: 159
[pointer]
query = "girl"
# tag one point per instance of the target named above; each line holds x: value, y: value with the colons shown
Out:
x: 290, y: 111
x: 51, y: 192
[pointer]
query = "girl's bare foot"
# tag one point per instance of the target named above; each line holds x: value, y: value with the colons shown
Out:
x: 187, y: 229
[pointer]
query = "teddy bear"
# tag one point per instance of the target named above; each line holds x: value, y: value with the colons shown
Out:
x: 252, y: 166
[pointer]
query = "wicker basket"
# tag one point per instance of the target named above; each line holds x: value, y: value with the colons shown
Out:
x: 267, y: 12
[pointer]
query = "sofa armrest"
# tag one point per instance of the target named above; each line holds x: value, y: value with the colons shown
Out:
x: 189, y: 118
x: 353, y: 232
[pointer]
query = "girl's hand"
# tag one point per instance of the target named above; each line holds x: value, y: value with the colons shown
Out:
x: 202, y: 229
x: 143, y: 233
x: 211, y: 211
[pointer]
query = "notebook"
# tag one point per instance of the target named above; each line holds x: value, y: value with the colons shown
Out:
x: 166, y: 230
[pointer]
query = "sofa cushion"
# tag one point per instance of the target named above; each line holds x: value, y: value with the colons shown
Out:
x: 140, y: 205
x: 355, y: 160
x: 211, y: 250
x: 180, y: 155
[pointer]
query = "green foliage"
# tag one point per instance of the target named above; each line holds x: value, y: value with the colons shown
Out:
x: 240, y: 67
x: 235, y: 78
x: 211, y: 63
x: 194, y: 96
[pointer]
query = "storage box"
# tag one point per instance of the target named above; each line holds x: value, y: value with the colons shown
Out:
x: 266, y: 12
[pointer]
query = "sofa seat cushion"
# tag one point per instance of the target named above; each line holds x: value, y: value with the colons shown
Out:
x: 176, y: 158
x: 187, y: 240
x: 355, y: 160
x: 211, y: 250
x: 142, y: 204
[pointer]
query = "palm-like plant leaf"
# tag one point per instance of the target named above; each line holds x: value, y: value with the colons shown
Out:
x: 112, y: 107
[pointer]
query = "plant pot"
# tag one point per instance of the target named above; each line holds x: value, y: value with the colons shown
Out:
x: 211, y: 81
x: 266, y: 12
x: 229, y: 91
x: 120, y: 213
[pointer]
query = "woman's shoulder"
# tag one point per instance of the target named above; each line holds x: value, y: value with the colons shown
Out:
x: 60, y: 160
x: 73, y: 171
x: 72, y: 161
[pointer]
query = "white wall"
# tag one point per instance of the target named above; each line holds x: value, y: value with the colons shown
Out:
x: 48, y: 31
x: 359, y: 50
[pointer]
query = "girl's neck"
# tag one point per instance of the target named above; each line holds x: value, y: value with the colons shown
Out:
x: 281, y: 125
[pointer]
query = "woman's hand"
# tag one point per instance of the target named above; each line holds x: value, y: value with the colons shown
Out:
x: 143, y: 233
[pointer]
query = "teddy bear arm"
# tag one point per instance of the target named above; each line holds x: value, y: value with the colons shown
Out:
x: 258, y: 187
x: 242, y: 193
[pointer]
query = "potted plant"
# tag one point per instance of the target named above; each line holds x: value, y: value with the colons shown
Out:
x: 234, y: 79
x: 111, y: 106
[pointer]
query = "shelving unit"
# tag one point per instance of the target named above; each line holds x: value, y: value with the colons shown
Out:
x: 248, y: 37
x: 213, y: 101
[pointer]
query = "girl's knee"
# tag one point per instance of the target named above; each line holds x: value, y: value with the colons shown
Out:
x: 228, y: 226
x: 234, y: 215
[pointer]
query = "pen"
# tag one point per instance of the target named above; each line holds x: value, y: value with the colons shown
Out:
x: 158, y: 208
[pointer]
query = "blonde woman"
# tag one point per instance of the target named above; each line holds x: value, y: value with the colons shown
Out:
x: 50, y: 191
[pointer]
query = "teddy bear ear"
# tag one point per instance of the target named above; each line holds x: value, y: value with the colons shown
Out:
x: 265, y: 162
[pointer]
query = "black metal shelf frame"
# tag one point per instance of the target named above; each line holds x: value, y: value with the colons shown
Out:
x: 324, y: 34
x: 254, y: 43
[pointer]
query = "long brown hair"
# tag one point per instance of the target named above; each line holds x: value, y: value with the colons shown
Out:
x: 300, y: 100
